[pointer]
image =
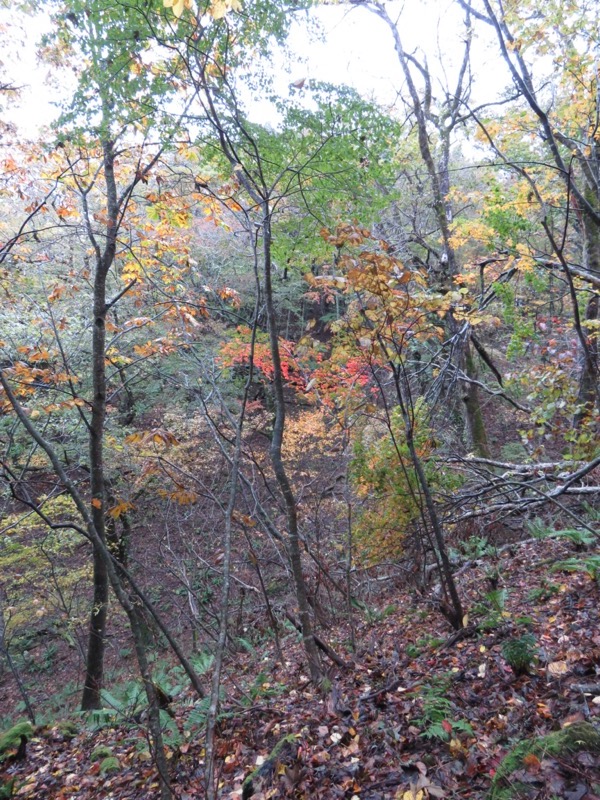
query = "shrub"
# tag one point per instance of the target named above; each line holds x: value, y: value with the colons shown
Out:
x: 384, y: 478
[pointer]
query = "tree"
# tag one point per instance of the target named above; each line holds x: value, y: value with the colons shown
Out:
x: 390, y: 310
x: 56, y: 367
x: 272, y: 174
x: 116, y: 100
x: 564, y: 117
x: 436, y: 123
x: 113, y: 103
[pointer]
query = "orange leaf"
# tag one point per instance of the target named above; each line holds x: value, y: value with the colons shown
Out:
x: 116, y: 511
x: 532, y: 762
x: 96, y: 503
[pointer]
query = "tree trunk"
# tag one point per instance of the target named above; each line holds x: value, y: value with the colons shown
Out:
x: 96, y: 643
x: 154, y: 723
x: 454, y: 611
x: 104, y: 260
x: 477, y: 435
x: 293, y: 539
x: 211, y: 723
x: 587, y: 395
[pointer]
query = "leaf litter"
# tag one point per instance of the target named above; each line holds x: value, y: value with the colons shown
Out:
x: 420, y: 713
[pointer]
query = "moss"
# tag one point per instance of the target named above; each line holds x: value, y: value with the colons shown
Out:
x: 24, y: 565
x: 267, y: 767
x: 68, y: 729
x: 61, y: 507
x: 101, y: 752
x: 574, y: 738
x: 110, y: 764
x: 11, y: 738
x: 7, y: 789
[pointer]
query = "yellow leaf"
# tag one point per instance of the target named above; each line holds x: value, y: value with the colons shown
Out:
x: 178, y: 8
x: 456, y: 747
x: 217, y: 10
x: 557, y: 668
x: 412, y: 794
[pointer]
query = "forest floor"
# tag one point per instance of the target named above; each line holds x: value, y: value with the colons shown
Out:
x: 418, y: 713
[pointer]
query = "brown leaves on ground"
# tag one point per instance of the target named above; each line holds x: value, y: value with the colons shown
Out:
x: 412, y: 719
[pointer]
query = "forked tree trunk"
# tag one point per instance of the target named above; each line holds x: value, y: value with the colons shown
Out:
x: 252, y: 179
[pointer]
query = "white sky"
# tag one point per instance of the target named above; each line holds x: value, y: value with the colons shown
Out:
x: 356, y: 49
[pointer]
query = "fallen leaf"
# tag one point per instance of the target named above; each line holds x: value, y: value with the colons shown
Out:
x: 532, y: 762
x: 557, y: 668
x: 436, y: 791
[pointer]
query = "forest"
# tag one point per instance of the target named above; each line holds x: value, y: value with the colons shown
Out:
x: 299, y: 404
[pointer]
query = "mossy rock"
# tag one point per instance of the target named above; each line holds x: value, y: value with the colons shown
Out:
x: 580, y: 737
x: 67, y: 729
x: 11, y: 739
x: 100, y: 752
x: 110, y: 764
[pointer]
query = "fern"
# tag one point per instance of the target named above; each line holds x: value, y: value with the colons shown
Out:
x: 436, y: 718
x: 202, y: 662
x: 589, y: 565
x: 580, y: 538
x: 197, y: 716
x: 171, y: 733
x: 520, y: 653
